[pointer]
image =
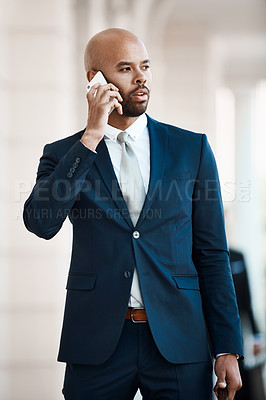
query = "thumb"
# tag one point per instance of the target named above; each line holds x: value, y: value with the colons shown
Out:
x: 220, y: 383
x: 221, y: 373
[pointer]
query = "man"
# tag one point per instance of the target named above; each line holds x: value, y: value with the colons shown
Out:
x: 253, y: 388
x: 149, y: 280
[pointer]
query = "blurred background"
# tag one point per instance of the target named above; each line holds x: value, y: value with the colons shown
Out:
x: 209, y: 75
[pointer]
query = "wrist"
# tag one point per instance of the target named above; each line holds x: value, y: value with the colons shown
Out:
x: 226, y: 354
x: 91, y: 141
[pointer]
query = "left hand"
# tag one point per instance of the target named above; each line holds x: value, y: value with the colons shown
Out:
x: 228, y: 376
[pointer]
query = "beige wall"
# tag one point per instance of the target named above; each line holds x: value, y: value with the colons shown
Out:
x: 36, y: 102
x: 197, y: 47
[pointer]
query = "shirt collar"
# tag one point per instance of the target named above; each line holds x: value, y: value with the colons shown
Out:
x: 133, y: 130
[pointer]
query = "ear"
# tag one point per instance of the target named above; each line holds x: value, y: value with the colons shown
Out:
x: 90, y: 74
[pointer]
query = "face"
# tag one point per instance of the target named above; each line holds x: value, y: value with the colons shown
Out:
x: 127, y: 66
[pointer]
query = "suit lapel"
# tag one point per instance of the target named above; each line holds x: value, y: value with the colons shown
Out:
x: 106, y: 170
x: 158, y: 150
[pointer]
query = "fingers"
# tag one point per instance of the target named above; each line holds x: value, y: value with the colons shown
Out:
x: 93, y: 91
x: 109, y: 96
x: 220, y: 383
x: 106, y: 96
x: 233, y: 387
x: 114, y: 104
x: 222, y: 394
x: 108, y: 86
x: 103, y: 93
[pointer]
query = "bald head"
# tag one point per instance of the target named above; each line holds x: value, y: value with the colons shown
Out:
x: 103, y: 44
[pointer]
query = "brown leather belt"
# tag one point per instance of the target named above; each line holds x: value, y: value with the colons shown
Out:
x: 136, y: 315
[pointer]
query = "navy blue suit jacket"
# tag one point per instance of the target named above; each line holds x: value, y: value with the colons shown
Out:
x: 181, y: 253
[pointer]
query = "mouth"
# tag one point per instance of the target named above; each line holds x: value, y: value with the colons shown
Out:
x: 141, y: 95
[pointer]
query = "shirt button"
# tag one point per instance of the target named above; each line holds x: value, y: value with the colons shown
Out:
x: 78, y: 160
x: 136, y: 235
x: 127, y: 274
x: 69, y: 175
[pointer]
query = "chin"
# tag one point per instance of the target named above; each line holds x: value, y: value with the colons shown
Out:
x: 136, y: 110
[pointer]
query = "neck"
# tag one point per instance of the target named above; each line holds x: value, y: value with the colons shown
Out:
x: 121, y: 122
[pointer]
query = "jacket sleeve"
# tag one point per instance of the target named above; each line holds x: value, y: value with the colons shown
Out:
x: 57, y: 185
x: 211, y: 258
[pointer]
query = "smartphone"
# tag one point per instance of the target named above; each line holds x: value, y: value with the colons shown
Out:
x: 98, y: 78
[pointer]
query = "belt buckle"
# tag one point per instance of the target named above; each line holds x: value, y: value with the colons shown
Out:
x: 131, y: 315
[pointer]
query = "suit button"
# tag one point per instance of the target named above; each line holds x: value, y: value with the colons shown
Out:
x: 78, y: 160
x: 75, y: 165
x: 69, y: 175
x: 127, y: 274
x: 136, y: 235
x: 72, y: 170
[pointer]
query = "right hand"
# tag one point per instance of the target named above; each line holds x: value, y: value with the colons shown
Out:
x: 101, y: 105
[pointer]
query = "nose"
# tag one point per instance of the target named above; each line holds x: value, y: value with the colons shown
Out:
x: 140, y: 78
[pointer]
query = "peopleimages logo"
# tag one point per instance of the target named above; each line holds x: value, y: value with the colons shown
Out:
x: 64, y: 191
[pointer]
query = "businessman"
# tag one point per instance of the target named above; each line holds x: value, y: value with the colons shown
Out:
x: 253, y: 388
x: 150, y: 299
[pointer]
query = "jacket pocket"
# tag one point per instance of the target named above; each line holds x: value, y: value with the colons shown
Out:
x: 188, y: 282
x: 81, y: 282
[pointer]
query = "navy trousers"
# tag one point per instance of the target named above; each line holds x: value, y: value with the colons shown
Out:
x: 137, y: 363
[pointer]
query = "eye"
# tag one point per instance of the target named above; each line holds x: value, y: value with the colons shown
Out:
x: 125, y: 69
x: 145, y: 66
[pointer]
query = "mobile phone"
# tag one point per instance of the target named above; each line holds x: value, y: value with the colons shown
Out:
x: 98, y: 78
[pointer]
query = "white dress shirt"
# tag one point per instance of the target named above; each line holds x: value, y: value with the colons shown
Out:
x: 140, y: 141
